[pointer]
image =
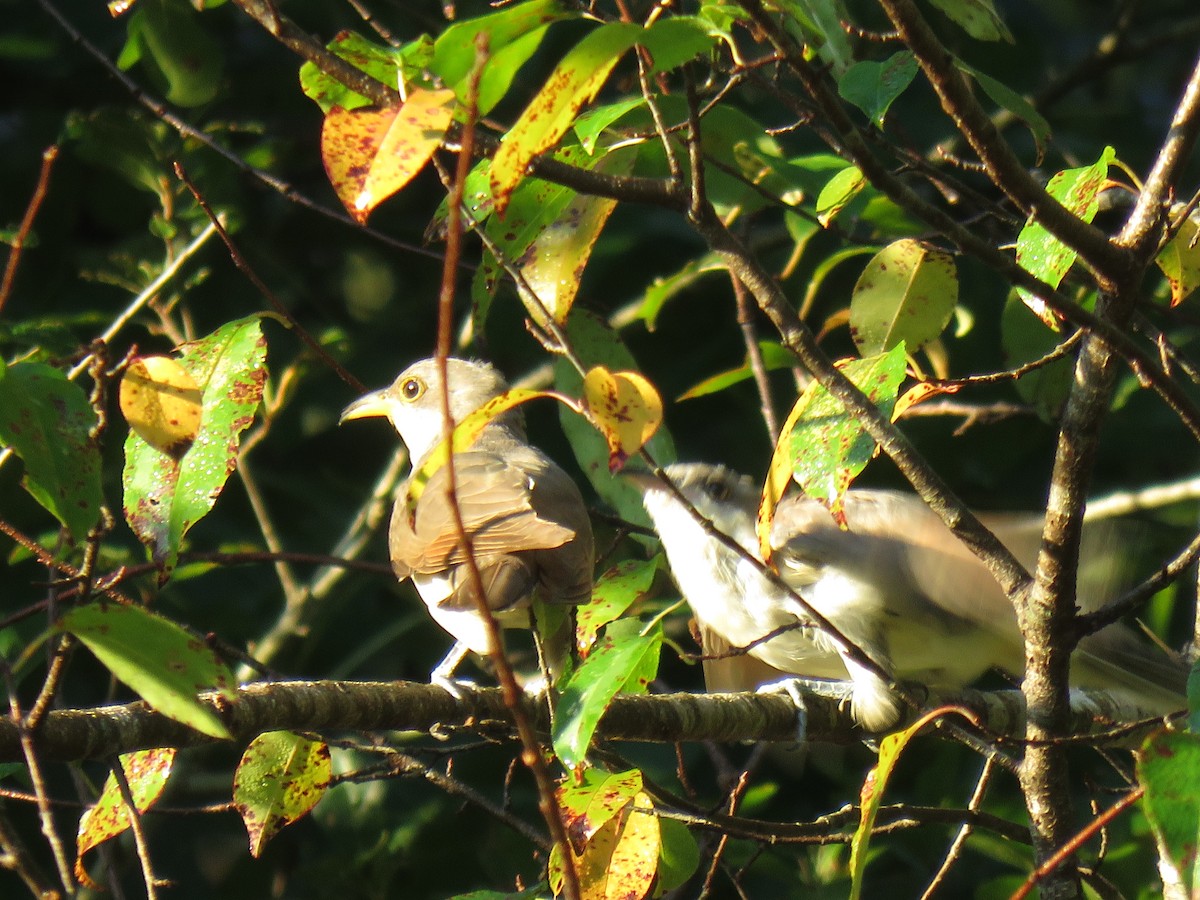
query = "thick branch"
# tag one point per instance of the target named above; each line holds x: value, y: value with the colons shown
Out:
x: 402, y: 706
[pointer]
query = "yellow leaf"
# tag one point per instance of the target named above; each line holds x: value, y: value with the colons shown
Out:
x: 625, y: 407
x: 369, y: 154
x: 162, y: 403
x: 146, y: 772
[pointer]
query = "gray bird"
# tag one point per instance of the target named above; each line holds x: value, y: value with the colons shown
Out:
x: 528, y: 526
x: 897, y: 584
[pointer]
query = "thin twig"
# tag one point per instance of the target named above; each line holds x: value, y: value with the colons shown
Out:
x: 49, y: 155
x: 139, y: 833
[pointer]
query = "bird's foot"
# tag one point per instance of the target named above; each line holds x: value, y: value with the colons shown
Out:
x: 796, y: 687
x: 458, y: 688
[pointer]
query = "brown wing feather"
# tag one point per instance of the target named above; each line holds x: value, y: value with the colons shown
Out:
x: 496, y: 507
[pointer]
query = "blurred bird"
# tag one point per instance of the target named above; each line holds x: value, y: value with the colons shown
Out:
x: 527, y: 523
x: 897, y: 584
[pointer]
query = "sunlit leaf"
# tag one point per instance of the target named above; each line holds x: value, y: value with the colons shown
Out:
x: 615, y: 591
x: 821, y: 446
x: 552, y: 265
x: 774, y: 356
x: 161, y: 401
x: 1042, y: 254
x: 165, y: 665
x: 871, y: 796
x: 146, y: 772
x: 625, y: 659
x: 369, y: 154
x: 387, y: 65
x: 46, y: 420
x: 164, y: 495
x: 1180, y: 261
x: 614, y: 837
x: 906, y: 293
x: 596, y: 343
x: 513, y: 34
x: 838, y: 192
x: 626, y: 408
x: 279, y: 779
x: 576, y: 80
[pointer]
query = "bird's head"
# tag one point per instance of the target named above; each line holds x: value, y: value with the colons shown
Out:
x: 413, y: 402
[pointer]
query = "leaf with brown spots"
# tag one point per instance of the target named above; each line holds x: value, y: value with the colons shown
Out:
x: 822, y: 447
x: 615, y: 837
x: 161, y: 402
x: 1042, y: 254
x: 165, y: 665
x: 166, y: 495
x: 625, y: 407
x: 147, y: 772
x: 369, y: 154
x: 907, y: 292
x: 280, y: 778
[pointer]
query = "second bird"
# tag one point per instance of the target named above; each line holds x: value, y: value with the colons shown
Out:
x: 897, y: 584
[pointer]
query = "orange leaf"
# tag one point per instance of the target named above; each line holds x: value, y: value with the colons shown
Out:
x: 369, y: 154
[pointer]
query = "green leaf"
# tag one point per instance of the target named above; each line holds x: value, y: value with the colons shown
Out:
x: 822, y: 446
x: 595, y: 798
x: 180, y: 50
x: 873, y: 86
x: 386, y: 65
x: 164, y: 496
x: 618, y: 589
x: 818, y: 23
x: 45, y: 419
x: 514, y: 33
x: 158, y: 659
x: 589, y: 126
x: 1168, y: 766
x: 279, y: 779
x: 1042, y: 254
x: 146, y: 772
x: 1180, y: 261
x: 1024, y: 338
x: 574, y: 82
x: 838, y: 192
x: 906, y: 293
x: 624, y: 659
x: 978, y: 18
x: 675, y: 41
x: 1006, y: 97
x: 665, y: 287
x: 553, y: 263
x: 597, y: 344
x: 679, y: 854
x: 774, y: 356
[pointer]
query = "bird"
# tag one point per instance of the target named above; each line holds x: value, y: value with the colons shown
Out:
x: 896, y: 583
x: 529, y: 529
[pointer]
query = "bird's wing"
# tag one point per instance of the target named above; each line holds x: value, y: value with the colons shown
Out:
x: 495, y: 499
x: 893, y: 539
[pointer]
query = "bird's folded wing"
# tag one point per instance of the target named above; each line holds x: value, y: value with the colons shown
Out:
x: 496, y: 504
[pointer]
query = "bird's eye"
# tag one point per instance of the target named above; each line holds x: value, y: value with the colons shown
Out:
x: 412, y: 388
x: 719, y: 491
